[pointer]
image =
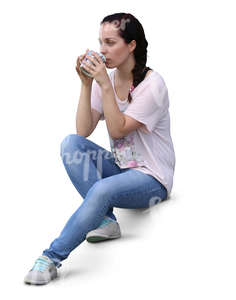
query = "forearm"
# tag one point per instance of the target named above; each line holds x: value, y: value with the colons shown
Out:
x: 84, y: 120
x: 114, y: 117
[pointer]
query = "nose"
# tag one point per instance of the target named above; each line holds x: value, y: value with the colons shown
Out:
x: 103, y: 51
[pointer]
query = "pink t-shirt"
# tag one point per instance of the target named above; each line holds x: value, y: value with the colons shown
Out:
x: 148, y: 149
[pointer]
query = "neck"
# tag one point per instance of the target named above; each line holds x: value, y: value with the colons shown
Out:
x: 124, y: 71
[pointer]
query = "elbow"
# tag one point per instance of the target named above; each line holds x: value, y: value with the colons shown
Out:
x: 82, y: 134
x: 112, y: 136
x: 116, y: 135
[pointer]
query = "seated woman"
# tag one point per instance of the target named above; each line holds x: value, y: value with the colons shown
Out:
x: 138, y: 172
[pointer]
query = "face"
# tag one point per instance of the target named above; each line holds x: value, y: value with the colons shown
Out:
x: 113, y: 47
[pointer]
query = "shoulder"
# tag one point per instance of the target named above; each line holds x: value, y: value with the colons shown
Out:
x: 151, y: 92
x: 152, y: 84
x: 156, y: 78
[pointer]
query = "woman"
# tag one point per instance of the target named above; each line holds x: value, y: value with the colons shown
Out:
x: 138, y: 172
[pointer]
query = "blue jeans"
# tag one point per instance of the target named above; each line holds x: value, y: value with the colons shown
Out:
x: 103, y: 185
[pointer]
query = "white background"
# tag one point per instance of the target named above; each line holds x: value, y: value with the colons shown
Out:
x: 183, y: 248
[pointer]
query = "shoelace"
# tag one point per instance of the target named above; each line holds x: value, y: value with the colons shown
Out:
x: 41, y: 264
x: 105, y: 222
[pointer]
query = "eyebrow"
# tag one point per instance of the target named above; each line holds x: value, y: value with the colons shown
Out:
x: 105, y: 39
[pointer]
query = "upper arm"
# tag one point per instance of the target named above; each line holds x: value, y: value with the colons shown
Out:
x: 150, y: 106
x: 130, y: 125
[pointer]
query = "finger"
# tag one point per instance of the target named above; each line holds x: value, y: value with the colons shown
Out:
x: 94, y: 61
x: 88, y: 66
x: 78, y: 70
x: 79, y: 59
x: 87, y: 69
x: 83, y: 56
x: 97, y: 57
x: 77, y: 67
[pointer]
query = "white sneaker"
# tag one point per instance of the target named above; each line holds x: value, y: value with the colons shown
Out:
x: 43, y: 271
x: 108, y: 229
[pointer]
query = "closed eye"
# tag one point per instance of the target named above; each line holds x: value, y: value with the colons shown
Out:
x: 109, y: 43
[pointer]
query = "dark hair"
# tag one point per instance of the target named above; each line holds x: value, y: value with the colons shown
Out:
x: 131, y: 29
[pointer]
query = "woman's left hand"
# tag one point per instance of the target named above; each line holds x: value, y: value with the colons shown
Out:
x: 98, y: 71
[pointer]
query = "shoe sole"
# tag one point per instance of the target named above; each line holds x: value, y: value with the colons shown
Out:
x: 94, y: 239
x: 36, y: 283
x: 39, y: 282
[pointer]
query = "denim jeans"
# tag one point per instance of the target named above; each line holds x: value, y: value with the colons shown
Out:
x: 103, y: 185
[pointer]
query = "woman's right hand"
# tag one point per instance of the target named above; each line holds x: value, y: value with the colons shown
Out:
x: 86, y: 80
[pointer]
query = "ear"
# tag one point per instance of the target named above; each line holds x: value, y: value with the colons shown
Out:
x: 132, y: 45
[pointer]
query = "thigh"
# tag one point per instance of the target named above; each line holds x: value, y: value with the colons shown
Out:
x: 83, y: 154
x: 130, y: 189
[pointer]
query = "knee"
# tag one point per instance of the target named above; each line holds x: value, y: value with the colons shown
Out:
x: 70, y: 140
x: 103, y: 189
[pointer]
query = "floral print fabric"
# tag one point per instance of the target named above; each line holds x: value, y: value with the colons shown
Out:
x: 125, y: 153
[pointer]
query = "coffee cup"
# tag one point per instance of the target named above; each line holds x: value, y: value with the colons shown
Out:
x: 87, y: 60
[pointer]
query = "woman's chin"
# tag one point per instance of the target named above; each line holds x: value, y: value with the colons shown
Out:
x: 109, y: 65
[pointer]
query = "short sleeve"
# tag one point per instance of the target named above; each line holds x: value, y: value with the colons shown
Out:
x: 150, y: 103
x: 96, y: 99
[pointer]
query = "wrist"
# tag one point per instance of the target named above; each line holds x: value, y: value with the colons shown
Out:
x: 86, y: 85
x: 106, y: 85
